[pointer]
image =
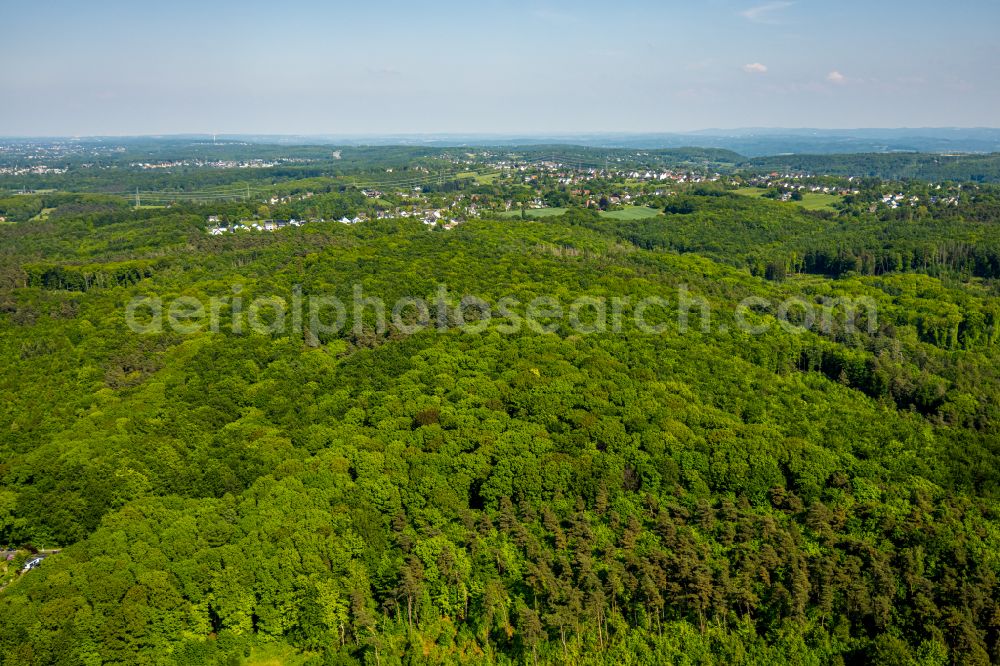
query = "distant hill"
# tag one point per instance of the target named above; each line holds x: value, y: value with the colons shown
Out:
x: 921, y: 166
x: 773, y: 141
x: 584, y: 155
x: 752, y: 142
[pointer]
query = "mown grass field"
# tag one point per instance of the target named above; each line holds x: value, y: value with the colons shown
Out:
x: 810, y: 200
x: 534, y: 212
x: 818, y: 201
x: 755, y: 192
x: 632, y: 213
x: 627, y: 213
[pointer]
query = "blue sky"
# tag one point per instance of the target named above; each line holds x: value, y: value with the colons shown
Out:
x: 310, y: 67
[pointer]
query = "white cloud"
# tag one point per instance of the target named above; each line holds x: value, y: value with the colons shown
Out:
x: 755, y: 68
x: 763, y: 13
x: 836, y: 77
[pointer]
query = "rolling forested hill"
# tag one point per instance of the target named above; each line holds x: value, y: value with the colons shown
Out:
x: 708, y: 495
x: 983, y: 168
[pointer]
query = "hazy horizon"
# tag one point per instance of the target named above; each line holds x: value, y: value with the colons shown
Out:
x: 707, y: 131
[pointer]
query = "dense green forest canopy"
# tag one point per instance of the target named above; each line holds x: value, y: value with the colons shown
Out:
x: 808, y: 494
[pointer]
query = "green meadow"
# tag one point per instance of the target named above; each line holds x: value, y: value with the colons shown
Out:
x: 810, y: 200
